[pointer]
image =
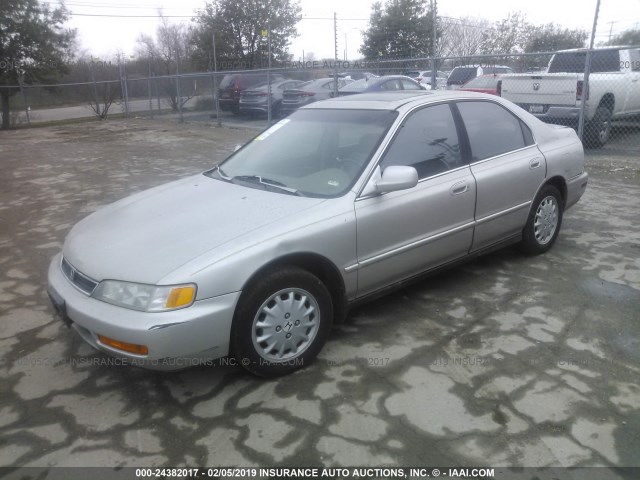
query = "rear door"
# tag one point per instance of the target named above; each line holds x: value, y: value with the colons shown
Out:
x: 507, y: 166
x: 403, y: 233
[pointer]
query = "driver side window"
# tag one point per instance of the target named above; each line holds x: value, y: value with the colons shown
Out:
x: 427, y: 141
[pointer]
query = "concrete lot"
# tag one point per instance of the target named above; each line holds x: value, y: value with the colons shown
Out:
x: 506, y: 361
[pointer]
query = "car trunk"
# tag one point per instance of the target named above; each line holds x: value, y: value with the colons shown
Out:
x: 541, y: 89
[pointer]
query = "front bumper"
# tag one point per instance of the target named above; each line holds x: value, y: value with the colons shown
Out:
x: 176, y: 339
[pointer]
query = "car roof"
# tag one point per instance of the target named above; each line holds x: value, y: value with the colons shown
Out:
x: 395, y: 100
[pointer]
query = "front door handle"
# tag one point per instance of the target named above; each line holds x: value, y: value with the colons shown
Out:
x: 534, y: 163
x: 458, y: 188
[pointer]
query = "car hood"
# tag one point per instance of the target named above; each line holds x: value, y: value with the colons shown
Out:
x: 145, y: 237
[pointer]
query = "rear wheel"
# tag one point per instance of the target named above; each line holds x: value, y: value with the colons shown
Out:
x: 598, y: 130
x: 543, y: 224
x: 281, y: 323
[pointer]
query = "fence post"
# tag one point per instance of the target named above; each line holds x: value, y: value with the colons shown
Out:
x: 215, y: 81
x: 335, y: 54
x: 149, y: 89
x: 585, y: 79
x: 155, y: 83
x: 95, y: 88
x: 24, y: 100
x: 178, y: 93
x: 269, y: 113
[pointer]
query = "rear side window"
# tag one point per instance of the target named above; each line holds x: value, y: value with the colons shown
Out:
x: 460, y: 75
x: 492, y: 130
x: 602, y: 61
x: 427, y: 141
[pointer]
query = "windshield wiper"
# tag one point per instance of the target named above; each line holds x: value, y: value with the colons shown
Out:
x: 266, y: 182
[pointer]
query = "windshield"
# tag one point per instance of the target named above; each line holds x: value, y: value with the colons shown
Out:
x: 315, y: 152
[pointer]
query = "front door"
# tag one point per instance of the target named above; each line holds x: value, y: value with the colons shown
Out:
x: 403, y: 233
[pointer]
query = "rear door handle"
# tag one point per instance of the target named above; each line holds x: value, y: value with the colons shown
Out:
x: 534, y: 163
x: 459, y: 188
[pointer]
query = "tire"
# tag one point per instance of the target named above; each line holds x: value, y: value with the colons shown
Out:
x: 544, y: 221
x: 301, y: 310
x: 598, y: 130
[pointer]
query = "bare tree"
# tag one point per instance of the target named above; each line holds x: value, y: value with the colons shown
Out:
x: 462, y: 36
x: 166, y: 55
x: 509, y: 35
x: 102, y: 87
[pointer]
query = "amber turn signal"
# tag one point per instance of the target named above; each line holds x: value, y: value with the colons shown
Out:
x: 124, y: 346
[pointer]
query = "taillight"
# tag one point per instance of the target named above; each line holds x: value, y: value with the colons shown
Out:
x: 579, y: 89
x: 419, y: 79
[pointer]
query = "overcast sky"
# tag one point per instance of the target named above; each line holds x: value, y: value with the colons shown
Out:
x: 103, y: 35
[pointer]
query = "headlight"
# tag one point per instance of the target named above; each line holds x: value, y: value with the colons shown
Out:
x: 146, y: 298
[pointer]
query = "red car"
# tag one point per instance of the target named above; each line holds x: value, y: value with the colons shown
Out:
x: 484, y: 84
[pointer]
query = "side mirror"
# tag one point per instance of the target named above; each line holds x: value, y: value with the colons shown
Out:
x: 397, y: 177
x: 394, y: 178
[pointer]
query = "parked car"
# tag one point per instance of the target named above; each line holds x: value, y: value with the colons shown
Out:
x: 310, y: 92
x: 256, y: 100
x: 380, y: 84
x: 557, y: 96
x: 343, y: 200
x: 423, y: 77
x: 461, y: 75
x: 491, y: 84
x: 233, y: 84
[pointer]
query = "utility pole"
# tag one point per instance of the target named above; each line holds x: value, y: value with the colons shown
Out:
x: 611, y: 29
x: 587, y: 70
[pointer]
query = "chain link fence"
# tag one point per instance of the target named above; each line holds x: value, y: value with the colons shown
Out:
x: 552, y: 86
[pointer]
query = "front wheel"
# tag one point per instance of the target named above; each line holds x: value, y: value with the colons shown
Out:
x: 544, y: 221
x: 281, y: 323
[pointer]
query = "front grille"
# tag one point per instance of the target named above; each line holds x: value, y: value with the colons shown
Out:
x: 79, y: 280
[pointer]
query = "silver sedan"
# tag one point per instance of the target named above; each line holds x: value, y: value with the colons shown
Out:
x: 345, y: 199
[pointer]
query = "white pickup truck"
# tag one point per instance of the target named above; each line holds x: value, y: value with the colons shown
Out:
x: 556, y: 96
